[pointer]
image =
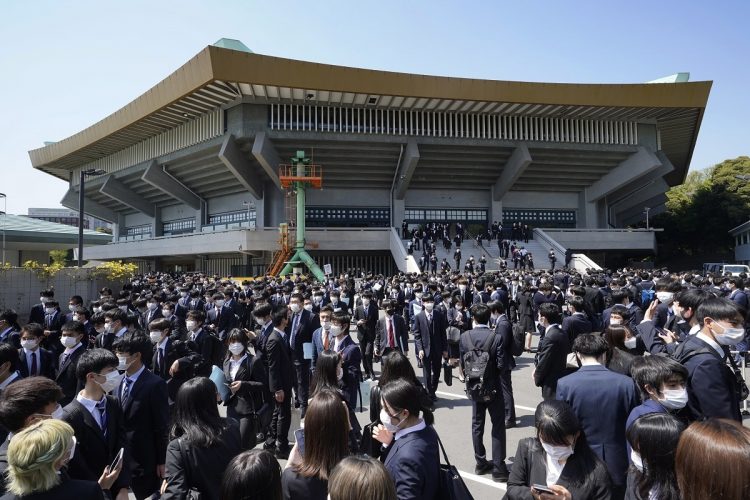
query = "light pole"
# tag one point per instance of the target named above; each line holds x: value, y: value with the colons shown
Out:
x: 647, y: 210
x: 81, y: 182
x: 5, y: 217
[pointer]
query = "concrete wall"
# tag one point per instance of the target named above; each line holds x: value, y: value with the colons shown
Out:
x: 540, y: 200
x: 348, y: 197
x: 176, y: 212
x: 742, y: 253
x: 229, y: 203
x: 18, y: 257
x: 439, y: 198
x: 604, y: 240
x: 137, y: 219
x: 19, y: 288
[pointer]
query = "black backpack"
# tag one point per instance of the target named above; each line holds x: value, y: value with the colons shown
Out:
x: 479, y: 368
x: 519, y: 339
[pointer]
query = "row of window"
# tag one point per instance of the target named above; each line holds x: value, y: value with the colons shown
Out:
x: 545, y: 218
x: 324, y: 213
x: 438, y: 215
x: 229, y: 217
x: 138, y: 230
x: 179, y: 226
x: 742, y: 239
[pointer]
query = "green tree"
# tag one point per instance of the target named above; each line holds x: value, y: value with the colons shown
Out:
x: 58, y: 256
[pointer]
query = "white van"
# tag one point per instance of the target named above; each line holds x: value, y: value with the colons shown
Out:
x: 723, y: 269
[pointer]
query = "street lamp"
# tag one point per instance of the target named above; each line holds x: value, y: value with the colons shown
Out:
x: 647, y: 210
x: 82, y: 179
x: 5, y: 217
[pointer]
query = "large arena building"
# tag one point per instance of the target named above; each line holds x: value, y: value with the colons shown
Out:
x: 189, y: 171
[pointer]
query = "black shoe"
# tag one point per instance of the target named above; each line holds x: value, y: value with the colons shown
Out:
x: 501, y: 474
x: 269, y: 446
x: 302, y: 412
x: 482, y: 469
x: 433, y: 397
x: 283, y: 454
x: 296, y: 403
x: 509, y: 424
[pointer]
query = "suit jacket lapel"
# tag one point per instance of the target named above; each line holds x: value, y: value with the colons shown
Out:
x: 88, y: 419
x: 134, y: 390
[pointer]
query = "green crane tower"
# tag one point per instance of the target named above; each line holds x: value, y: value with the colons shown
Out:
x: 300, y: 175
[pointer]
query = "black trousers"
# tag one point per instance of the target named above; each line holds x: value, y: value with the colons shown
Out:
x: 431, y: 367
x: 278, y: 431
x: 479, y: 410
x: 247, y: 428
x: 366, y: 345
x: 509, y: 401
x: 145, y: 485
x: 302, y: 382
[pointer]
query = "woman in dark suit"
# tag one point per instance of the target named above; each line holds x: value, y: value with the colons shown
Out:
x: 247, y: 380
x: 202, y: 443
x: 526, y: 312
x: 35, y: 457
x: 619, y: 359
x: 458, y: 317
x: 412, y: 460
x: 325, y: 444
x: 559, y: 458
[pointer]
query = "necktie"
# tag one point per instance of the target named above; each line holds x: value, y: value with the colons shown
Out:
x: 161, y: 359
x: 391, y: 339
x: 102, y: 407
x: 326, y: 341
x: 33, y: 370
x: 295, y: 326
x: 126, y: 391
x: 65, y: 357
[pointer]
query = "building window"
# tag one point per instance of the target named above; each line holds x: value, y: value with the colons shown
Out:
x: 144, y: 230
x: 347, y: 217
x: 179, y: 226
x: 231, y: 217
x: 540, y: 218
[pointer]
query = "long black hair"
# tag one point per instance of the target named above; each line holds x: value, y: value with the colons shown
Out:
x: 655, y: 437
x: 400, y: 394
x: 196, y: 417
x: 326, y: 368
x: 555, y: 423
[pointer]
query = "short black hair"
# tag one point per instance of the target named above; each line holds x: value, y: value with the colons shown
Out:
x: 10, y: 316
x: 9, y: 353
x: 496, y: 307
x: 341, y: 317
x: 34, y: 329
x: 718, y: 309
x: 73, y: 326
x: 196, y: 315
x: 279, y: 315
x: 94, y: 361
x: 117, y: 315
x: 160, y: 324
x: 132, y: 343
x: 23, y: 398
x: 480, y: 313
x: 655, y: 371
x: 262, y: 310
x: 550, y: 312
x: 590, y: 344
x: 576, y: 303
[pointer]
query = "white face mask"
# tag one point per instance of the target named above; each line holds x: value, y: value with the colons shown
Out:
x: 68, y: 342
x: 635, y: 457
x: 155, y: 337
x: 77, y: 317
x: 665, y: 297
x: 113, y: 381
x: 294, y: 307
x: 97, y: 309
x: 49, y: 310
x: 336, y: 330
x: 29, y: 345
x: 631, y: 342
x: 326, y: 325
x: 339, y: 373
x: 71, y: 307
x: 317, y: 299
x: 236, y: 348
x: 462, y: 288
x: 191, y: 325
x: 729, y: 336
x: 123, y: 308
x: 152, y: 306
x: 429, y: 306
x: 674, y: 399
x: 556, y: 452
x: 308, y: 307
x: 167, y: 313
x: 615, y: 321
x: 123, y: 363
x: 385, y: 419
x: 365, y: 302
x: 219, y: 303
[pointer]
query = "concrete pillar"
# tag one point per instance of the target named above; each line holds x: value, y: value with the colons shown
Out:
x: 272, y: 204
x: 496, y: 208
x: 117, y: 227
x: 201, y: 217
x: 399, y: 212
x: 156, y: 224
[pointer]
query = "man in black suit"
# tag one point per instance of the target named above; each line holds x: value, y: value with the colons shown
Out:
x: 176, y: 323
x: 37, y: 312
x: 115, y: 326
x: 8, y: 371
x: 504, y: 330
x: 220, y: 319
x: 53, y: 321
x: 142, y: 396
x: 74, y: 304
x: 160, y: 334
x: 477, y: 338
x: 71, y: 338
x: 201, y: 342
x: 577, y: 323
x: 430, y: 342
x: 351, y: 357
x: 299, y: 331
x: 594, y: 301
x: 98, y: 422
x: 32, y: 359
x: 9, y: 331
x: 391, y: 332
x: 602, y: 401
x: 280, y: 373
x: 551, y: 357
x: 153, y: 311
x: 366, y: 318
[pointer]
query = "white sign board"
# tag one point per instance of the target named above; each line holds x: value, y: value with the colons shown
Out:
x: 327, y: 269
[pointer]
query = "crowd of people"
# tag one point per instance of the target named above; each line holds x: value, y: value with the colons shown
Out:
x: 638, y: 372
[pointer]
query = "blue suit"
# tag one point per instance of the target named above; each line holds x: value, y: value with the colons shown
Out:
x: 602, y: 400
x: 413, y: 462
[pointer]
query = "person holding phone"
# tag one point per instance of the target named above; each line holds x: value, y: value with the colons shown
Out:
x: 98, y: 422
x: 558, y: 463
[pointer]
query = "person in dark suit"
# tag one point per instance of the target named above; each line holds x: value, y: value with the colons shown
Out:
x: 220, y: 319
x: 390, y: 331
x: 351, y: 356
x: 176, y: 323
x: 143, y: 399
x: 200, y: 341
x: 578, y: 473
x: 622, y: 297
x: 10, y: 332
x: 53, y: 321
x: 32, y: 359
x: 477, y: 338
x: 711, y: 384
x: 153, y: 311
x: 280, y: 373
x: 430, y: 343
x: 202, y: 443
x: 8, y: 372
x: 577, y: 323
x: 322, y: 340
x: 165, y: 354
x: 411, y: 453
x: 299, y: 332
x: 38, y: 451
x: 115, y: 326
x: 551, y: 357
x: 504, y: 329
x: 37, y: 313
x: 97, y: 421
x: 366, y: 318
x: 250, y: 401
x: 602, y: 401
x: 66, y: 378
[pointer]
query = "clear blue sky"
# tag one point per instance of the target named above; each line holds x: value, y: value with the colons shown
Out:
x: 66, y: 65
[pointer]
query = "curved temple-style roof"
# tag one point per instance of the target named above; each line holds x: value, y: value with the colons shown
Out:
x: 218, y: 76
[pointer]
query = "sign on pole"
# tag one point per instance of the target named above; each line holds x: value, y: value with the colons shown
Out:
x: 327, y: 269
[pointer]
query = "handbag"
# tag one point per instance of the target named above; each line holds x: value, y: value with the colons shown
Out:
x: 452, y: 486
x: 742, y: 391
x: 368, y: 445
x: 447, y: 374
